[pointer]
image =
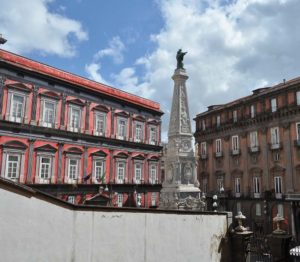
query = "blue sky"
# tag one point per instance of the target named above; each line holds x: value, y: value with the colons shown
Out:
x: 233, y: 46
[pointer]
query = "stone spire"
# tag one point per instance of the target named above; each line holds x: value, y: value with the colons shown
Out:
x: 180, y: 187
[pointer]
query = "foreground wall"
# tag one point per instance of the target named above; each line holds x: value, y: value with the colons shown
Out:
x: 34, y: 229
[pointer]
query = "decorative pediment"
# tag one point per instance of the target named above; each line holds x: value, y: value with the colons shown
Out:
x: 153, y: 121
x: 237, y: 172
x: 19, y: 87
x: 74, y: 150
x: 101, y: 108
x: 14, y: 144
x: 220, y: 173
x: 139, y: 118
x: 121, y: 155
x: 277, y: 169
x: 138, y: 156
x: 204, y: 174
x: 99, y: 153
x: 46, y: 148
x: 256, y: 171
x: 76, y: 102
x: 121, y: 113
x: 153, y: 158
x: 50, y: 94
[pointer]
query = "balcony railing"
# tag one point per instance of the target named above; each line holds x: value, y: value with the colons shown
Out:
x: 218, y: 154
x: 254, y: 149
x: 275, y: 146
x: 204, y: 156
x: 235, y: 152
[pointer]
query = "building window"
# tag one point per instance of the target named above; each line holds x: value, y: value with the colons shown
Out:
x: 235, y: 144
x: 138, y: 173
x: 256, y: 187
x: 48, y: 113
x: 220, y: 184
x: 122, y: 128
x: 98, y: 169
x: 73, y: 169
x: 45, y: 168
x: 278, y: 184
x: 218, y: 146
x: 138, y: 137
x: 273, y: 105
x: 253, y: 139
x: 203, y: 125
x: 12, y: 166
x: 252, y: 111
x: 298, y: 97
x: 152, y: 135
x: 280, y: 210
x: 99, y: 124
x: 153, y: 199
x: 120, y: 200
x: 121, y: 172
x: 258, y: 209
x: 74, y: 118
x: 17, y: 107
x: 218, y: 121
x: 298, y: 130
x: 237, y: 187
x: 153, y: 175
x: 276, y: 156
x: 275, y: 135
x: 234, y: 116
x: 203, y: 149
x: 71, y: 199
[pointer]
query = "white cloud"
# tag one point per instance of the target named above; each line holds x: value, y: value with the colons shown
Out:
x: 233, y: 47
x: 29, y: 26
x: 93, y: 71
x: 114, y: 50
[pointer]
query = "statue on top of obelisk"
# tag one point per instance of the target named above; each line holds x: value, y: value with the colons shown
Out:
x: 180, y: 187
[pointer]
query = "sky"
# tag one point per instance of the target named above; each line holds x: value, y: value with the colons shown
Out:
x: 234, y: 46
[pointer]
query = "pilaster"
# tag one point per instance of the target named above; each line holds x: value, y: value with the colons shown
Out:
x: 87, y: 117
x: 34, y: 105
x: 2, y: 84
x: 63, y: 108
x: 30, y: 160
x: 59, y: 161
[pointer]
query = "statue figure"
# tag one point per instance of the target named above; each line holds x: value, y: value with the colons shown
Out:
x: 179, y: 58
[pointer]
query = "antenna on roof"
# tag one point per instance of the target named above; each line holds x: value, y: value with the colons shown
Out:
x: 284, y: 81
x: 2, y: 40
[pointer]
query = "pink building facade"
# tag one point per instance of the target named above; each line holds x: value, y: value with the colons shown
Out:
x: 68, y: 135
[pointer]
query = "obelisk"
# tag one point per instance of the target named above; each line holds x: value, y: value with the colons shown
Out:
x: 180, y: 187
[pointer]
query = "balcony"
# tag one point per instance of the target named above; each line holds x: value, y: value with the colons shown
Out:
x: 235, y: 152
x: 218, y: 154
x: 275, y: 146
x: 204, y: 156
x: 254, y: 149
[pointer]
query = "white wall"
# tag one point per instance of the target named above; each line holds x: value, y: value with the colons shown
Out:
x: 32, y: 229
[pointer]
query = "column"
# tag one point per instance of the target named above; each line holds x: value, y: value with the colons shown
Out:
x: 111, y: 163
x: 112, y: 132
x: 59, y: 161
x: 130, y: 178
x: 63, y: 108
x: 29, y: 165
x: 288, y: 156
x: 34, y: 104
x: 2, y: 84
x: 85, y: 161
x: 87, y: 117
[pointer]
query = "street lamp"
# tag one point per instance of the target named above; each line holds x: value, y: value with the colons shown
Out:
x: 215, y: 204
x: 2, y: 40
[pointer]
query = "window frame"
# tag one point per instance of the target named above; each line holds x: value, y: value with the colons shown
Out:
x: 43, y: 111
x: 153, y: 166
x: 234, y: 116
x: 218, y: 120
x: 237, y: 186
x: 138, y: 135
x: 253, y: 135
x: 71, y: 127
x: 97, y: 118
x: 218, y: 145
x: 152, y: 134
x: 10, y: 105
x: 203, y: 148
x: 122, y: 135
x: 297, y: 98
x: 273, y: 104
x: 256, y: 183
x: 252, y: 111
x: 140, y: 169
x: 101, y: 178
x: 275, y: 135
x: 120, y: 199
x: 118, y: 163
